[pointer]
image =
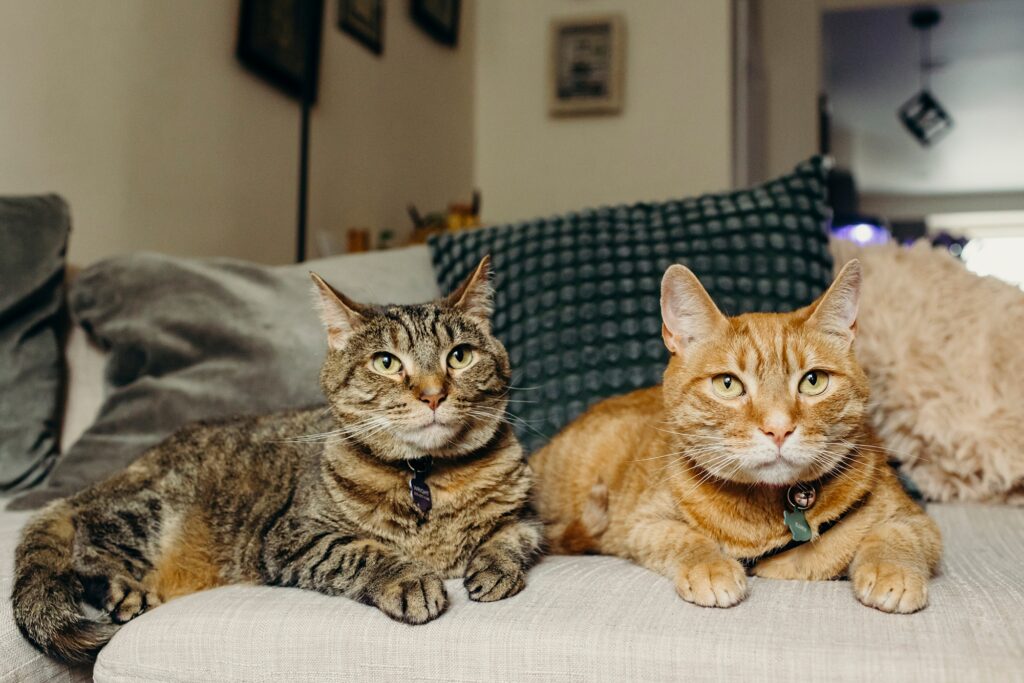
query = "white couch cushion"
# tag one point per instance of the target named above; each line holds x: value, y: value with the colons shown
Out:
x: 599, y: 618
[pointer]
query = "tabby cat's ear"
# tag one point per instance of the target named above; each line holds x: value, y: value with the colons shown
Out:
x: 835, y: 311
x: 340, y: 315
x: 475, y: 296
x: 687, y: 312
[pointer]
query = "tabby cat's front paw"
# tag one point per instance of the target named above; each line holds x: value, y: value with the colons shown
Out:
x: 890, y: 587
x: 413, y: 599
x: 490, y: 578
x: 716, y: 582
x: 126, y: 599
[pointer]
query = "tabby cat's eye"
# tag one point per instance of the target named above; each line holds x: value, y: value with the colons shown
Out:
x: 387, y: 364
x: 813, y: 383
x: 460, y: 357
x: 727, y: 386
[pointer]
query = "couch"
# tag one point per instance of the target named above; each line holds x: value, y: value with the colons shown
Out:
x: 580, y: 618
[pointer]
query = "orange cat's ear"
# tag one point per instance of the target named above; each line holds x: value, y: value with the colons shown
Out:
x: 835, y: 311
x: 687, y: 312
x: 475, y: 296
x: 340, y: 315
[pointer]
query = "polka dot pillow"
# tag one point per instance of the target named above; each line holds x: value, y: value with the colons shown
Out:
x: 577, y: 295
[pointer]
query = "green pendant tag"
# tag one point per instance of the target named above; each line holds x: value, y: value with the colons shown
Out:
x: 798, y: 525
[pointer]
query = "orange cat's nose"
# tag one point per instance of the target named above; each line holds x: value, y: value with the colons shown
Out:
x: 778, y: 431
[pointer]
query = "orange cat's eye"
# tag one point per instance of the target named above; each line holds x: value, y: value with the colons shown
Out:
x: 813, y: 383
x: 727, y: 386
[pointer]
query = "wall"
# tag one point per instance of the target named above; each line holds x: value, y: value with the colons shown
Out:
x: 791, y: 57
x: 791, y: 43
x: 139, y: 114
x: 394, y: 129
x: 906, y: 206
x: 672, y: 139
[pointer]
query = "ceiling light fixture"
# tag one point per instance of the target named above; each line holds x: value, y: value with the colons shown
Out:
x: 926, y: 119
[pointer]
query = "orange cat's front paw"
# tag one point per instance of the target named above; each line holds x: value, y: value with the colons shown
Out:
x: 718, y: 582
x: 890, y: 587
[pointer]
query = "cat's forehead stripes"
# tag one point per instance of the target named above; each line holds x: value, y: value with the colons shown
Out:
x: 758, y: 347
x: 420, y: 334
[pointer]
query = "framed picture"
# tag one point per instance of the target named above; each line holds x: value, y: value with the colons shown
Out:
x: 439, y: 18
x: 364, y: 21
x: 279, y: 40
x: 586, y: 65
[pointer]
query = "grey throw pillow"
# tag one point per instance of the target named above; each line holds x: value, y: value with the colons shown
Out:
x: 577, y: 296
x: 201, y: 339
x: 33, y: 240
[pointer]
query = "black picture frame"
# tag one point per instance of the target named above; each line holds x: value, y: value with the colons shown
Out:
x: 438, y: 18
x: 279, y: 40
x: 364, y: 21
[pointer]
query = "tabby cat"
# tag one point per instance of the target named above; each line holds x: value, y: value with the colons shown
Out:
x: 756, y: 442
x: 412, y: 475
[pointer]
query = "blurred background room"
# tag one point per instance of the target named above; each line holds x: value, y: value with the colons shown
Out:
x: 165, y: 131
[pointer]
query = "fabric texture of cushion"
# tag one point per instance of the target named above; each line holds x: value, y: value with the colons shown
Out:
x: 942, y: 349
x: 605, y: 619
x: 34, y: 236
x: 577, y: 300
x: 194, y: 339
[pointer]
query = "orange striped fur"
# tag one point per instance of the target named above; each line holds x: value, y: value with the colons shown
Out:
x: 688, y: 483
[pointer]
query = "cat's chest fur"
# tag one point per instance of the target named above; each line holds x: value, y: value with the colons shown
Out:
x: 467, y: 501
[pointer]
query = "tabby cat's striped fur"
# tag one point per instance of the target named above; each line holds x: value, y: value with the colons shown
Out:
x: 317, y: 499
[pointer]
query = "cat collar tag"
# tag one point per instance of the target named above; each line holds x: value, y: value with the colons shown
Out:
x: 419, y: 490
x: 799, y: 497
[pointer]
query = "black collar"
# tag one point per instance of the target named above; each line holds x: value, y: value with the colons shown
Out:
x: 749, y: 562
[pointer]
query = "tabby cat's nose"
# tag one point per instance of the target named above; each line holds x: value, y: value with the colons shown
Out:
x: 433, y: 398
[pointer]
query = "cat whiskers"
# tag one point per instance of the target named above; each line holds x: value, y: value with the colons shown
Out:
x: 488, y: 413
x: 369, y: 426
x: 714, y: 469
x: 902, y: 456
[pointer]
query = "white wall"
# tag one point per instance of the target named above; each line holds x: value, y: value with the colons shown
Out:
x: 791, y: 41
x: 139, y: 114
x: 672, y: 139
x: 394, y: 129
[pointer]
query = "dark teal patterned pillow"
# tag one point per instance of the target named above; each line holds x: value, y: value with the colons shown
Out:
x: 577, y: 296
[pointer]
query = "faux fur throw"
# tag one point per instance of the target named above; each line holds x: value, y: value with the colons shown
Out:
x: 944, y: 350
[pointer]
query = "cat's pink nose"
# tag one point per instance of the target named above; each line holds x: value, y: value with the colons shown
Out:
x: 778, y: 431
x: 434, y: 398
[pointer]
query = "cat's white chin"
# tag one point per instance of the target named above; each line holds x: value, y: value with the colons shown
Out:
x: 777, y: 473
x: 430, y: 437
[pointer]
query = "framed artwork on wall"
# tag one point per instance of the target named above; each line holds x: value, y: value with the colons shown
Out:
x: 439, y: 18
x: 279, y: 40
x: 364, y: 21
x: 586, y: 69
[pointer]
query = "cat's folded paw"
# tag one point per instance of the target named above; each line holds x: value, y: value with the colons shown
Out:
x: 126, y: 599
x: 489, y: 578
x: 717, y: 582
x: 890, y: 587
x: 413, y: 599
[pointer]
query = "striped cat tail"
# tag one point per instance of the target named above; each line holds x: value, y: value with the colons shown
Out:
x: 48, y: 592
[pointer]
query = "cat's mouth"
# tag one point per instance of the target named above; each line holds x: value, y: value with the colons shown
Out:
x: 779, y: 459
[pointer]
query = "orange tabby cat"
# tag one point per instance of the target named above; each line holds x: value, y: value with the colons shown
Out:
x: 756, y: 441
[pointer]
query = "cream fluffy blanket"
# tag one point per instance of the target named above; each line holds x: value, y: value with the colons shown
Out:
x: 944, y: 351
